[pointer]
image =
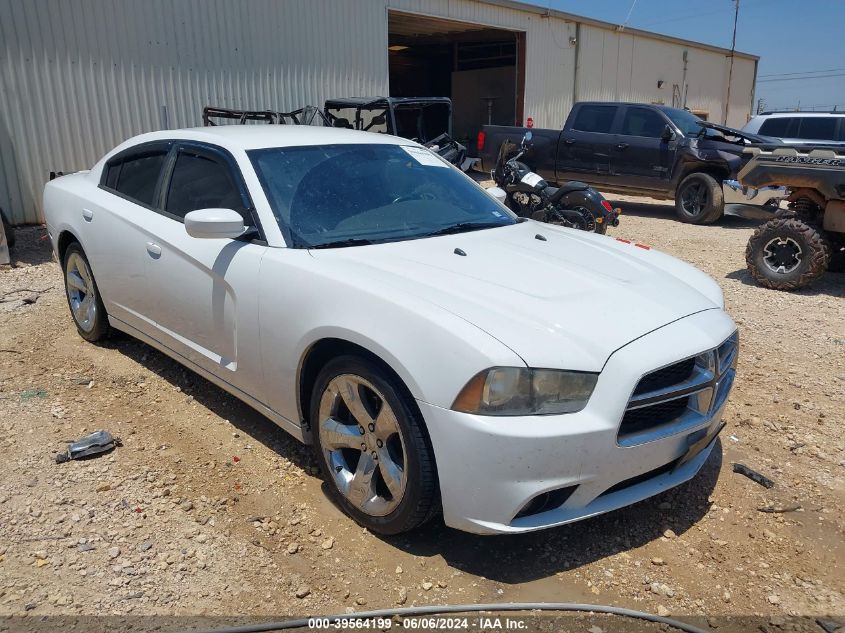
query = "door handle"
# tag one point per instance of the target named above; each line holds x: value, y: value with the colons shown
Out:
x: 154, y: 250
x: 569, y: 141
x: 87, y: 215
x: 622, y: 146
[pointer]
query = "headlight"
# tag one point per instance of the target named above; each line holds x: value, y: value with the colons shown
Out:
x: 525, y: 391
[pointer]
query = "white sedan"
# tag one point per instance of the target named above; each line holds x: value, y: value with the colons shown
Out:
x: 439, y: 353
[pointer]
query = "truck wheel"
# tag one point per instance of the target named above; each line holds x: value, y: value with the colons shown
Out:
x: 787, y: 254
x: 699, y: 200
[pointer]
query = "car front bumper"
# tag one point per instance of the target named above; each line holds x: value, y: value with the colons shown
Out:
x: 492, y: 468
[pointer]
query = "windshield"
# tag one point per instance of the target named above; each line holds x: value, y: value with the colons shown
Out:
x: 689, y: 124
x: 346, y: 195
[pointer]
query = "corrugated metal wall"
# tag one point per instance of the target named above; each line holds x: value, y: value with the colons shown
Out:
x: 80, y: 76
x: 630, y: 66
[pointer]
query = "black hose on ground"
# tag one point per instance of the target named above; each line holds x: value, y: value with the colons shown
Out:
x: 461, y: 608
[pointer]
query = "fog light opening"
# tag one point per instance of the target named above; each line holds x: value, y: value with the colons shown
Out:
x: 546, y: 501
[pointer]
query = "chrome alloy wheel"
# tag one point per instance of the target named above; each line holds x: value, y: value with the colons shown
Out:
x: 81, y: 292
x: 782, y: 255
x: 362, y: 444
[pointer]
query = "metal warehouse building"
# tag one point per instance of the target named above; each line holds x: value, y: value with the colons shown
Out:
x: 79, y: 76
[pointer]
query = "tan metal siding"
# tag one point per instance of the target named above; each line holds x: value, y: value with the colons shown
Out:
x: 80, y: 76
x: 618, y: 66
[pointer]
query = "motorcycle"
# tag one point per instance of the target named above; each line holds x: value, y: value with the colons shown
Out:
x: 574, y: 204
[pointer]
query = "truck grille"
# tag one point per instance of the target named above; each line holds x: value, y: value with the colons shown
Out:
x: 681, y: 395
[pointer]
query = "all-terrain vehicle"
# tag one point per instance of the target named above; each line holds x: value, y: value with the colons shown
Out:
x: 807, y: 238
x: 426, y: 120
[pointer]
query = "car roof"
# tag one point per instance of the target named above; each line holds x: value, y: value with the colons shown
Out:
x: 778, y: 115
x: 262, y: 136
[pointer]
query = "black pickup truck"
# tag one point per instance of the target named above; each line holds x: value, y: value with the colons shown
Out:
x: 634, y: 148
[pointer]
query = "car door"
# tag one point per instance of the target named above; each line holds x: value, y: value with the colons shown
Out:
x: 206, y: 294
x: 116, y: 220
x: 584, y: 148
x: 639, y: 155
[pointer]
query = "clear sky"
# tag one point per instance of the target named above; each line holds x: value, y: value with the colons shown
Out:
x: 795, y: 39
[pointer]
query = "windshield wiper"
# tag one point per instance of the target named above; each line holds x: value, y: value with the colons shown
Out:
x: 463, y: 227
x: 352, y: 241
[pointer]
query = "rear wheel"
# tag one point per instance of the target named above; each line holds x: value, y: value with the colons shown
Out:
x: 787, y: 254
x: 699, y: 199
x: 372, y: 446
x: 83, y: 297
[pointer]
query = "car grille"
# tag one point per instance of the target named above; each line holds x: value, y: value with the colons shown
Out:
x: 683, y: 394
x: 671, y: 375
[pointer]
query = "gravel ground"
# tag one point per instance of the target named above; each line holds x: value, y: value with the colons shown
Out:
x: 209, y: 509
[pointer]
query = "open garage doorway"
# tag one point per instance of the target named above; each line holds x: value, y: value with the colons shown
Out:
x: 482, y: 69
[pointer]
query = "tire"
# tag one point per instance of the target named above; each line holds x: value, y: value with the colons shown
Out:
x: 397, y: 487
x: 601, y: 228
x: 8, y: 230
x: 787, y: 254
x: 83, y: 297
x: 699, y: 199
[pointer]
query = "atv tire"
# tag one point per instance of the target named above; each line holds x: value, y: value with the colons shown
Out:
x: 787, y: 254
x: 699, y: 199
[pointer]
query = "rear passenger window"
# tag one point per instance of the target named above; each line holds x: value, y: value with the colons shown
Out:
x: 199, y: 182
x: 777, y: 127
x: 594, y: 118
x: 136, y: 176
x: 642, y: 122
x: 818, y: 128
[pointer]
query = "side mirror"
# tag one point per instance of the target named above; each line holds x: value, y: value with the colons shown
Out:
x: 528, y: 136
x: 668, y: 133
x: 497, y: 194
x: 214, y: 223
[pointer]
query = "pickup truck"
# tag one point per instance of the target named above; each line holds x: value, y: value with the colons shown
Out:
x: 640, y: 149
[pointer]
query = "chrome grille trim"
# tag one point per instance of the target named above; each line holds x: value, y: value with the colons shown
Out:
x: 705, y: 391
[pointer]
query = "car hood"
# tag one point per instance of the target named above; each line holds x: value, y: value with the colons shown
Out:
x: 568, y: 302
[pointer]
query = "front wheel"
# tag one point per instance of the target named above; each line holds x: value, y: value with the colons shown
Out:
x: 83, y: 297
x: 372, y: 446
x: 787, y: 254
x: 699, y: 199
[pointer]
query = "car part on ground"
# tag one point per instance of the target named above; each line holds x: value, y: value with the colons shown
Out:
x: 800, y: 243
x: 573, y: 205
x: 95, y: 443
x: 189, y: 241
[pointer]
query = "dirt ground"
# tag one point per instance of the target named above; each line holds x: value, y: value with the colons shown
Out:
x: 208, y: 508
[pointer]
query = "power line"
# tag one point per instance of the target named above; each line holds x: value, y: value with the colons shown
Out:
x: 696, y: 15
x: 630, y: 11
x: 803, y: 72
x: 763, y: 81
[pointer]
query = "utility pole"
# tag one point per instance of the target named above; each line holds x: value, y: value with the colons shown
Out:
x: 731, y: 67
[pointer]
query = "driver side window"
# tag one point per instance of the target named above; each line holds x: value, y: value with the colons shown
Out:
x: 202, y: 182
